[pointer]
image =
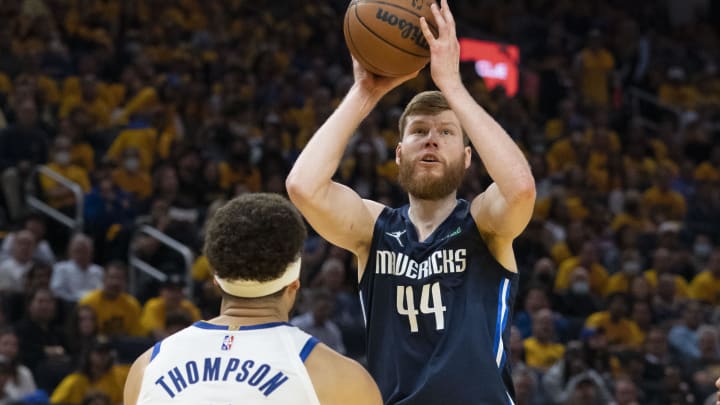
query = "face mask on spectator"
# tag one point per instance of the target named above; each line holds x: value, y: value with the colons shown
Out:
x: 702, y: 250
x: 132, y: 164
x: 62, y: 157
x: 580, y: 287
x: 631, y: 268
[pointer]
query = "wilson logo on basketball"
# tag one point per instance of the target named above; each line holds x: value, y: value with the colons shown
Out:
x: 407, y: 29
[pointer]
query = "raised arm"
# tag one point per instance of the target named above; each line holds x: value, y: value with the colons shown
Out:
x: 336, y: 211
x: 503, y: 211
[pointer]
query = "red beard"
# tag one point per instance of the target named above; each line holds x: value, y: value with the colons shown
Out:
x: 431, y: 187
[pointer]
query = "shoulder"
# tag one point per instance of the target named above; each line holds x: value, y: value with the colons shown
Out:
x: 156, y: 302
x: 63, y: 266
x: 703, y: 276
x: 91, y: 298
x: 130, y: 300
x: 134, y: 379
x: 338, y: 379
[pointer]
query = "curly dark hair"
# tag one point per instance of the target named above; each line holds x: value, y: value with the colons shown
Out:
x: 254, y: 237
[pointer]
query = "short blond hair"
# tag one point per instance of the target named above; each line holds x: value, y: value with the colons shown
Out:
x: 430, y: 102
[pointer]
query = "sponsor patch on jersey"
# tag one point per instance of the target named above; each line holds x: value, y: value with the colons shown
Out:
x: 227, y: 342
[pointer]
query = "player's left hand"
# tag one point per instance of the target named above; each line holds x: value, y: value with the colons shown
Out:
x: 445, y: 49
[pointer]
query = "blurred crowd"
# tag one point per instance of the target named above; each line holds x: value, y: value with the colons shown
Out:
x: 161, y: 110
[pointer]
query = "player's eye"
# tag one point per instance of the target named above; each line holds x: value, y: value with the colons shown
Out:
x: 446, y: 132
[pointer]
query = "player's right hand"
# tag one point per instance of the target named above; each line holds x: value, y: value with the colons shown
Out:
x: 376, y: 86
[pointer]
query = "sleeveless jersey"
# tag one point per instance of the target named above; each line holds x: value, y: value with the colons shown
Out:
x: 208, y: 364
x: 437, y: 313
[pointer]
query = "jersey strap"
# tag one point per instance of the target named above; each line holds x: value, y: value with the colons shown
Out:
x: 308, y: 348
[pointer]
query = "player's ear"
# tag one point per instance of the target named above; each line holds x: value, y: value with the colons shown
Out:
x: 294, y: 286
x: 468, y: 156
x: 398, y: 152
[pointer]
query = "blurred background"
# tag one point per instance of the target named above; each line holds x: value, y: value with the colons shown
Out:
x: 125, y: 123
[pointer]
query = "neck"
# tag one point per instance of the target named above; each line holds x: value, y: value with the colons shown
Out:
x: 236, y: 315
x: 426, y: 215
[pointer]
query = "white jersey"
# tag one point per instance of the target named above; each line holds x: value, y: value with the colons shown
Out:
x: 208, y: 364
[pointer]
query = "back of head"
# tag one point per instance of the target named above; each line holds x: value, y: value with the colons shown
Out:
x: 253, y: 242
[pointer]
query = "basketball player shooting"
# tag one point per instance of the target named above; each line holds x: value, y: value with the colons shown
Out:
x: 250, y: 354
x: 437, y: 277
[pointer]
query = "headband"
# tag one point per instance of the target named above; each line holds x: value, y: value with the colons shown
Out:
x: 255, y: 289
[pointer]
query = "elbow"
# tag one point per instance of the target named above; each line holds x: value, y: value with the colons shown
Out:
x: 293, y: 186
x: 524, y: 190
x: 298, y: 188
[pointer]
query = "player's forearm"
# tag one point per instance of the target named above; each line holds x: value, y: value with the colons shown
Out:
x: 321, y: 157
x: 502, y: 158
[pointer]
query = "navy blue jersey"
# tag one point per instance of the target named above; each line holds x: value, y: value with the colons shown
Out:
x: 437, y: 313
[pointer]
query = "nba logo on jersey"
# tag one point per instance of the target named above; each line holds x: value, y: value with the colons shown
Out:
x: 227, y: 342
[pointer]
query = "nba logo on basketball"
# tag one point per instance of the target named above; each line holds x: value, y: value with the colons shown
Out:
x: 227, y: 342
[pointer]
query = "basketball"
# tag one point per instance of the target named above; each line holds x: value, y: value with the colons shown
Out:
x: 385, y: 35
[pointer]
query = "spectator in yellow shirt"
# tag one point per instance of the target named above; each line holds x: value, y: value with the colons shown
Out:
x: 660, y: 201
x: 57, y: 194
x: 620, y: 331
x: 90, y: 98
x: 706, y: 285
x: 118, y: 313
x: 77, y: 127
x: 541, y: 350
x: 589, y: 260
x: 663, y: 263
x: 138, y: 134
x: 130, y: 178
x: 631, y: 265
x: 594, y: 66
x: 97, y: 372
x: 171, y: 300
x: 238, y: 169
x: 675, y: 92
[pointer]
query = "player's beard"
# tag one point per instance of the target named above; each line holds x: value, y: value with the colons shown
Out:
x: 431, y: 187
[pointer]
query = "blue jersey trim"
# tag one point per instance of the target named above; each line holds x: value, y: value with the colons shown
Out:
x: 212, y: 326
x: 206, y: 325
x: 501, y: 320
x: 506, y: 315
x: 308, y: 348
x: 156, y: 350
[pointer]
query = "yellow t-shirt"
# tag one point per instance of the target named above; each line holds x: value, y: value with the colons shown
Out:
x: 542, y: 355
x: 624, y: 332
x: 595, y: 69
x: 683, y: 96
x: 98, y: 109
x: 145, y: 100
x: 120, y: 316
x: 139, y: 184
x: 681, y: 286
x: 230, y: 177
x: 670, y: 203
x: 153, y: 314
x: 561, y: 155
x: 5, y: 84
x: 560, y: 252
x: 83, y: 155
x: 144, y: 139
x: 598, y: 276
x: 705, y: 287
x: 618, y: 282
x: 71, y: 172
x: 201, y: 270
x: 74, y: 387
x: 624, y: 219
